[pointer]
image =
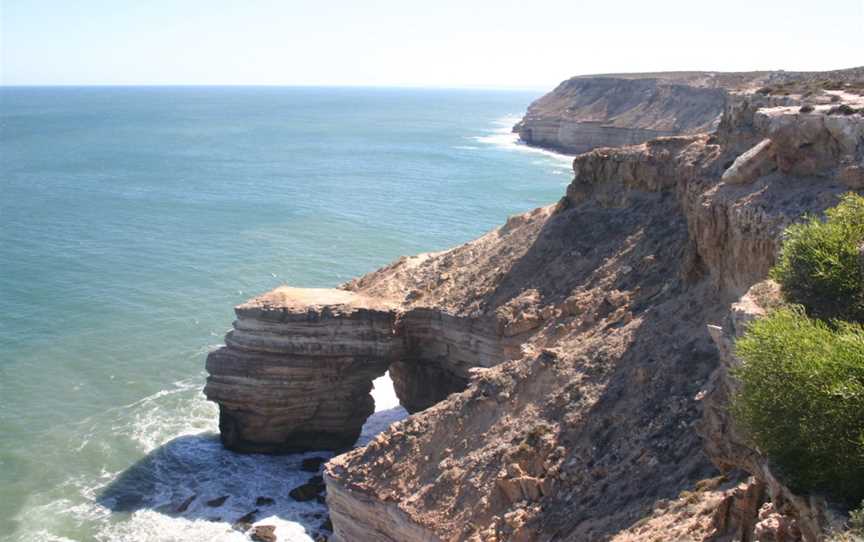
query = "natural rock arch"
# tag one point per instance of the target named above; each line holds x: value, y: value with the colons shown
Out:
x: 297, y: 368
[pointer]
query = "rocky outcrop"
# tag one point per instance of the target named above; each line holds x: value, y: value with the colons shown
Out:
x: 584, y: 113
x: 296, y: 370
x: 560, y: 365
x: 590, y: 428
x: 791, y: 164
x: 612, y: 110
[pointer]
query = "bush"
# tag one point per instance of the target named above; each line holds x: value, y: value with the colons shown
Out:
x: 818, y: 265
x: 801, y: 400
x: 856, y: 520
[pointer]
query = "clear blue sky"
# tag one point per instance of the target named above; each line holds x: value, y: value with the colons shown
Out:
x: 488, y: 43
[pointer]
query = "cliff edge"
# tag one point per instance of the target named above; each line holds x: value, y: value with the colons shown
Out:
x: 610, y: 110
x: 569, y: 370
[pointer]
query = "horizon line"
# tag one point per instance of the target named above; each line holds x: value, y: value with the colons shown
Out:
x: 275, y: 85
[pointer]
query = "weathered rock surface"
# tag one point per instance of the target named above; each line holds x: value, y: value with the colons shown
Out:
x: 296, y: 370
x: 561, y: 364
x: 591, y: 426
x: 585, y: 113
x: 611, y: 110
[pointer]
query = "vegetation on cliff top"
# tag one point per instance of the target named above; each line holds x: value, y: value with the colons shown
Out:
x: 819, y: 263
x: 802, y: 378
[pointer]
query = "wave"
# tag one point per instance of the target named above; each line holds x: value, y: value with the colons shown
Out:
x: 503, y: 137
x: 164, y: 495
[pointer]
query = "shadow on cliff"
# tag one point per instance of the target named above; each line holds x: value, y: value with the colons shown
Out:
x: 195, y: 478
x: 637, y: 442
x: 573, y: 245
x: 635, y: 446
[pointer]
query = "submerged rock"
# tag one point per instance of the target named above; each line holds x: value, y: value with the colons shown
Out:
x: 263, y: 533
x: 185, y: 504
x: 308, y: 491
x: 218, y: 501
x: 312, y: 464
x: 246, y: 519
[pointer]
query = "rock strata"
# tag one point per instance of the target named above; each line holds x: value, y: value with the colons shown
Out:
x: 296, y: 370
x: 605, y: 300
x: 584, y: 113
x: 570, y: 369
x: 613, y: 110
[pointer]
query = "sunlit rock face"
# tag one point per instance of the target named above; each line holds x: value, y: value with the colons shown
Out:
x: 585, y: 113
x: 606, y: 305
x: 297, y: 368
x: 296, y: 371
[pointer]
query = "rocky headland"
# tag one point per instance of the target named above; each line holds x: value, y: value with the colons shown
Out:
x: 610, y: 110
x: 569, y: 371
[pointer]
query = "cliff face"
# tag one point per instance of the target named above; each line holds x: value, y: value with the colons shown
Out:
x: 591, y: 433
x: 611, y: 110
x: 296, y: 371
x: 585, y: 113
x: 567, y: 369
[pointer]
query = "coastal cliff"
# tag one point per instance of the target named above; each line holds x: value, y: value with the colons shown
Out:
x: 585, y: 113
x: 569, y: 370
x: 610, y: 110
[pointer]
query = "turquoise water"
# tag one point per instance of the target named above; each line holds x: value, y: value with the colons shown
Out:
x: 133, y: 219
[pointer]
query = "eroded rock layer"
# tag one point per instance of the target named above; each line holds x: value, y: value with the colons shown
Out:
x: 296, y: 370
x: 297, y: 367
x: 585, y: 113
x: 567, y: 369
x: 611, y: 110
x: 589, y: 431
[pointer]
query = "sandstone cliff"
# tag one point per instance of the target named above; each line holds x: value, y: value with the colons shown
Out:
x: 587, y: 112
x: 565, y: 366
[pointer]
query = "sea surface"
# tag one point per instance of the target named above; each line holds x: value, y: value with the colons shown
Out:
x: 132, y: 220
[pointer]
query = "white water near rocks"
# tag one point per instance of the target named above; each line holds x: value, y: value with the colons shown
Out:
x: 185, y: 460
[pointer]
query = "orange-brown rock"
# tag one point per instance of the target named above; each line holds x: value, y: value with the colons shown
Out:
x: 606, y: 298
x: 296, y: 370
x: 570, y: 369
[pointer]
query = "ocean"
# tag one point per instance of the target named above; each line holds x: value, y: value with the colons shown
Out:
x: 132, y: 220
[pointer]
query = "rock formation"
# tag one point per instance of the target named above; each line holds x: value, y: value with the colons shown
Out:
x: 296, y: 370
x: 611, y: 110
x: 565, y: 366
x: 584, y: 113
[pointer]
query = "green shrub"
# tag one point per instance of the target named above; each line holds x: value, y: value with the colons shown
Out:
x: 818, y: 265
x: 856, y: 520
x: 802, y: 400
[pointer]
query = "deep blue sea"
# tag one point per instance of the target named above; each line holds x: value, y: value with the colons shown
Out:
x: 132, y: 220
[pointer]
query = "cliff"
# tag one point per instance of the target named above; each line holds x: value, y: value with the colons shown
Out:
x: 609, y: 110
x: 564, y: 368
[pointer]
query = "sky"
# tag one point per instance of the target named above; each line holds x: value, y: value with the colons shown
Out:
x: 432, y: 43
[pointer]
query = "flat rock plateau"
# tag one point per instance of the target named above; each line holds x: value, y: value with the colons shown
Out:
x: 568, y: 372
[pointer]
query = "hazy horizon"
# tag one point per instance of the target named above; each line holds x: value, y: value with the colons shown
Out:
x: 448, y: 44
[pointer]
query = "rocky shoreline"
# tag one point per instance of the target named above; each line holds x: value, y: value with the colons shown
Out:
x: 569, y: 371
